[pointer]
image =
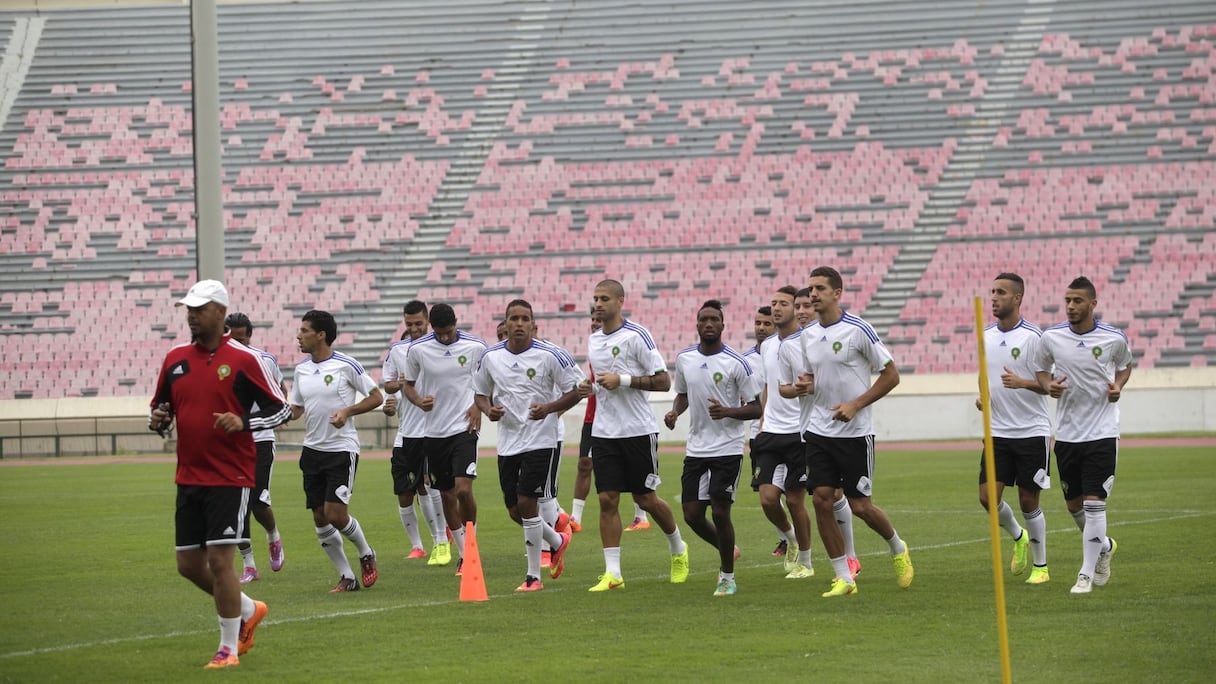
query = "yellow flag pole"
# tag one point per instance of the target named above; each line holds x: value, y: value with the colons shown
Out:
x: 990, y: 468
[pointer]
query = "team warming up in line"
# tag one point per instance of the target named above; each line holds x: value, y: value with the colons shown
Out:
x: 807, y: 388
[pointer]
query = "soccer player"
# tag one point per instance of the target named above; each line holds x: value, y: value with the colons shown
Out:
x: 326, y: 386
x: 762, y: 327
x: 778, y: 449
x: 409, y: 461
x: 624, y: 437
x: 219, y: 391
x: 439, y: 380
x: 513, y: 385
x: 720, y: 391
x: 839, y: 351
x: 1021, y: 428
x: 1085, y: 364
x: 582, y: 478
x: 241, y: 329
x: 805, y: 314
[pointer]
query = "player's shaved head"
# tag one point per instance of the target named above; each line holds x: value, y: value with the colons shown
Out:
x: 614, y: 287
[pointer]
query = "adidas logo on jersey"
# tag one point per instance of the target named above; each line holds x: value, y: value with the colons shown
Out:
x: 705, y: 366
x: 1003, y: 343
x: 447, y: 353
x: 1080, y: 345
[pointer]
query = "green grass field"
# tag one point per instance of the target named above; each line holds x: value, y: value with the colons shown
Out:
x: 90, y: 591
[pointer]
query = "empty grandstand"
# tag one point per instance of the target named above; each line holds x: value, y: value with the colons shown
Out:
x: 475, y: 152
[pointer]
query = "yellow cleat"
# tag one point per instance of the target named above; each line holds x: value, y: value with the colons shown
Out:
x: 441, y: 555
x: 903, y: 568
x: 1021, y: 548
x: 1038, y: 575
x: 679, y: 566
x: 607, y: 582
x: 800, y: 571
x: 841, y: 587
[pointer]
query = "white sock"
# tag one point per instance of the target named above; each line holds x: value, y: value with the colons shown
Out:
x: 576, y: 510
x: 272, y: 536
x: 1036, y: 527
x: 612, y: 561
x: 843, y: 513
x: 230, y: 631
x: 247, y: 557
x: 532, y: 536
x: 438, y: 522
x: 422, y: 504
x: 354, y: 533
x: 840, y: 566
x: 638, y: 513
x: 458, y: 540
x: 331, y: 542
x: 549, y: 510
x: 1005, y: 515
x: 788, y: 534
x: 675, y: 543
x: 1093, y: 537
x: 896, y: 544
x: 727, y: 576
x: 247, y: 607
x: 409, y: 520
x: 804, y: 557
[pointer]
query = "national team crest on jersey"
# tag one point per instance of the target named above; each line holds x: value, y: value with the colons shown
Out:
x: 329, y: 379
x: 1097, y: 352
x: 836, y: 347
x: 462, y: 360
x: 531, y: 373
x: 718, y: 378
x: 223, y: 371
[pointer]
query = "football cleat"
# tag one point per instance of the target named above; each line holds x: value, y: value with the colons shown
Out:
x: 1038, y: 575
x: 244, y: 640
x: 370, y: 572
x: 276, y: 555
x: 1021, y: 549
x: 638, y: 524
x: 800, y: 571
x: 1084, y: 585
x: 417, y: 552
x: 903, y: 568
x: 530, y: 583
x: 345, y: 584
x: 250, y: 575
x: 841, y: 587
x: 608, y: 582
x: 726, y: 587
x: 679, y: 566
x: 223, y: 658
x: 1102, y: 569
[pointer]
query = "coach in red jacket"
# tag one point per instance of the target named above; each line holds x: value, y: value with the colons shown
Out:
x: 210, y: 387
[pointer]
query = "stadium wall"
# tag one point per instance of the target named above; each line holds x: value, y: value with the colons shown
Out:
x: 931, y: 407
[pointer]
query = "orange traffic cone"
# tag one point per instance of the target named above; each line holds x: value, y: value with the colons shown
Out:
x: 472, y: 581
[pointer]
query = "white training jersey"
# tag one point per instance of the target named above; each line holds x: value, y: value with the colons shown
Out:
x: 752, y: 356
x: 842, y: 357
x: 411, y: 420
x: 1089, y: 361
x: 323, y: 387
x: 271, y: 364
x: 445, y: 372
x: 1016, y: 413
x: 537, y: 375
x: 624, y: 411
x: 726, y: 377
x: 781, y: 416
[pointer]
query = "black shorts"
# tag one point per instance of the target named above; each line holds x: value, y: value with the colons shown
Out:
x: 844, y: 462
x: 527, y: 474
x: 554, y: 466
x: 1087, y: 468
x: 265, y: 469
x: 408, y: 466
x: 329, y: 476
x: 780, y: 461
x: 626, y: 464
x: 584, y: 442
x: 448, y: 458
x: 1024, y: 461
x: 705, y: 479
x: 211, y: 516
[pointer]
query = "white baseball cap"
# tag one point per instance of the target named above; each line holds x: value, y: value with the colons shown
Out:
x: 205, y: 291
